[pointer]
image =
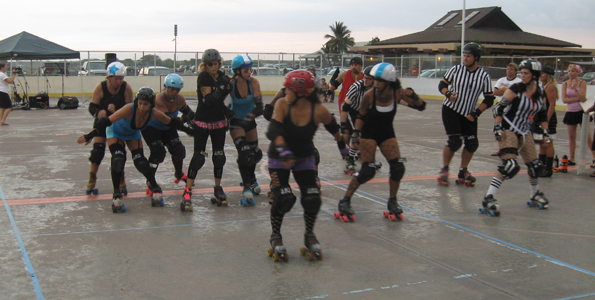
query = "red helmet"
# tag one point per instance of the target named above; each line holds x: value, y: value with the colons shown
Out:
x: 300, y: 81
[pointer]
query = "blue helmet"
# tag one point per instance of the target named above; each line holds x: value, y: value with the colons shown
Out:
x: 385, y: 72
x: 174, y: 80
x: 241, y: 61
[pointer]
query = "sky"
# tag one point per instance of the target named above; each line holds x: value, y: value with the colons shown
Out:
x: 267, y: 26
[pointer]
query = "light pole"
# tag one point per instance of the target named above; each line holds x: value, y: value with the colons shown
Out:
x: 175, y: 45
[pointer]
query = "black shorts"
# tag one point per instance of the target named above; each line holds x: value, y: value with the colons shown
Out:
x: 573, y: 117
x: 551, y: 127
x: 455, y: 124
x: 233, y: 124
x: 5, y: 100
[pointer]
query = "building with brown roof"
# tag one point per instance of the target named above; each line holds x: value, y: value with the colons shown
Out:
x: 498, y: 34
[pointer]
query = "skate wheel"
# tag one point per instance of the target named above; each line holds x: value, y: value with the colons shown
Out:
x: 224, y: 203
x: 114, y: 209
x: 275, y: 257
x: 189, y: 208
x: 242, y: 184
x: 392, y: 217
x: 400, y: 217
x: 352, y: 218
x: 182, y: 206
x: 530, y: 203
x: 337, y: 215
x: 468, y: 184
x: 497, y: 213
x: 285, y: 257
x: 123, y: 208
x: 458, y: 181
x: 270, y: 252
x: 492, y: 213
x: 303, y: 251
x: 482, y: 210
x: 213, y: 200
x: 153, y: 203
x: 161, y: 203
x: 540, y: 206
x: 385, y: 214
x: 345, y: 171
x: 344, y: 218
x: 252, y: 202
x: 243, y: 202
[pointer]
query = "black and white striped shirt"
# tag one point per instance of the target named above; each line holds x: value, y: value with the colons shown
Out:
x: 468, y: 86
x: 355, y: 94
x: 517, y: 115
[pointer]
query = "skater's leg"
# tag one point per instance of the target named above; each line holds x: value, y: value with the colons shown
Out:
x: 310, y: 197
x: 571, y: 140
x: 117, y: 164
x: 154, y: 140
x: 534, y: 165
x: 368, y: 168
x: 178, y: 153
x: 283, y: 199
x: 509, y: 167
x: 390, y: 150
x: 218, y: 158
x: 199, y: 157
x: 471, y: 145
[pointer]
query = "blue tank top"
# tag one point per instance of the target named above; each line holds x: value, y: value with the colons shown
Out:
x: 159, y: 125
x: 123, y: 130
x: 242, y: 107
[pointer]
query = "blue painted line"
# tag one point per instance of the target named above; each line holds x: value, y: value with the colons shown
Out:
x: 22, y: 246
x: 578, y: 297
x: 476, y: 232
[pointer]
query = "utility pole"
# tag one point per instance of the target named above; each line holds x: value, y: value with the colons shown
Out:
x: 175, y: 45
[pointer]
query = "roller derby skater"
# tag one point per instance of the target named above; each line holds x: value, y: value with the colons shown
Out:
x: 461, y: 86
x: 394, y: 211
x: 158, y: 136
x: 210, y: 121
x: 374, y: 128
x: 313, y: 250
x: 219, y: 196
x: 277, y: 250
x: 550, y: 93
x: 294, y: 122
x: 346, y: 213
x: 123, y: 129
x: 109, y: 96
x: 521, y: 103
x: 465, y: 178
x: 91, y: 185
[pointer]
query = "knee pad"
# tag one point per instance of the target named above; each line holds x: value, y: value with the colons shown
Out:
x: 97, y: 153
x: 157, y: 155
x: 534, y: 168
x: 177, y: 150
x: 118, y: 157
x: 140, y: 161
x: 397, y: 168
x: 471, y: 143
x: 245, y: 154
x: 311, y: 202
x: 454, y: 143
x: 219, y: 159
x: 257, y: 151
x: 509, y: 168
x: 316, y: 157
x: 366, y: 173
x: 196, y: 163
x: 284, y: 199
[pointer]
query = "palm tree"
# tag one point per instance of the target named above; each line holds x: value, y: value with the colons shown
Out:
x: 340, y: 40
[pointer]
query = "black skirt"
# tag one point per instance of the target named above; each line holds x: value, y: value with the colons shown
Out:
x: 573, y: 118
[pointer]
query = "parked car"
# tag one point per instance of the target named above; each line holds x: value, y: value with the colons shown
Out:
x: 93, y: 68
x: 589, y: 77
x: 154, y: 71
x: 266, y: 71
x: 433, y: 73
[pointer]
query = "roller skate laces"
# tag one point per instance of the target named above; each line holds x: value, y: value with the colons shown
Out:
x: 443, y: 176
x: 489, y: 206
x: 313, y: 250
x: 277, y: 250
x: 186, y: 204
x: 465, y: 178
x: 117, y: 204
x: 346, y: 213
x: 539, y: 201
x: 394, y: 210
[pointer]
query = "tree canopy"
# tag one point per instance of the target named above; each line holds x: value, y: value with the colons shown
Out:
x: 340, y: 40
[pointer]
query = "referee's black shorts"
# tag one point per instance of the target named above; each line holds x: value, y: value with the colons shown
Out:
x: 455, y: 124
x: 5, y: 100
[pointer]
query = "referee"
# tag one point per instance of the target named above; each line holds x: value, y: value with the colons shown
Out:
x: 462, y: 85
x: 349, y: 111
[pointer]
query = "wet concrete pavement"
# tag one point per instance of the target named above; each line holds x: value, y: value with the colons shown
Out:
x: 76, y: 248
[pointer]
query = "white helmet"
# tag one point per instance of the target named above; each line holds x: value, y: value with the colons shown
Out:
x: 384, y: 71
x: 116, y: 69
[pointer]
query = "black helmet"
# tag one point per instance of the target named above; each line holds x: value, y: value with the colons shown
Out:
x: 548, y: 70
x: 211, y: 55
x: 367, y: 70
x: 532, y: 65
x: 145, y: 93
x: 356, y: 60
x: 473, y: 49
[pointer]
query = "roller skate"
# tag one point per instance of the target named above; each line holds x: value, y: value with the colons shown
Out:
x: 220, y: 197
x: 91, y: 185
x: 277, y: 250
x: 346, y: 213
x: 183, y: 178
x: 489, y: 206
x: 254, y: 187
x: 443, y: 178
x: 395, y: 212
x: 156, y: 195
x: 313, y: 250
x: 148, y: 190
x: 545, y: 172
x: 123, y: 188
x: 539, y: 201
x: 186, y: 204
x: 465, y: 178
x: 117, y: 204
x: 350, y: 167
x: 248, y: 198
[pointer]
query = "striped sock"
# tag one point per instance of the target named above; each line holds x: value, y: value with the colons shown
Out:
x: 494, y: 186
x: 309, y: 220
x: 534, y: 186
x: 276, y: 222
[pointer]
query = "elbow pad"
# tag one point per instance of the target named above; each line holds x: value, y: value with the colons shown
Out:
x: 442, y: 85
x: 499, y: 109
x: 332, y: 127
x: 188, y: 114
x: 335, y: 83
x: 268, y: 112
x: 94, y: 109
x: 489, y: 101
x: 258, y: 109
x: 275, y: 130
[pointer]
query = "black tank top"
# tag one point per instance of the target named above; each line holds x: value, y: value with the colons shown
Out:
x: 377, y: 121
x: 117, y: 100
x: 299, y: 139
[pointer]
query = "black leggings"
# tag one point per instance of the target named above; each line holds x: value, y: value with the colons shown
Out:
x: 201, y: 136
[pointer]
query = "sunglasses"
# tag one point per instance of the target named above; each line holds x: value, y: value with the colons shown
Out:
x: 210, y: 64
